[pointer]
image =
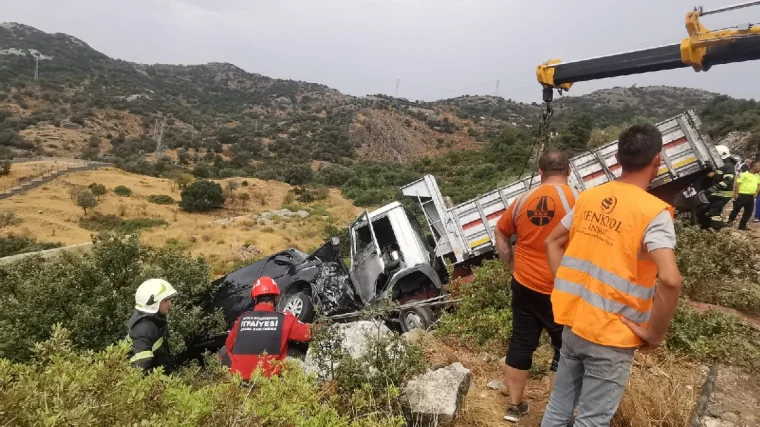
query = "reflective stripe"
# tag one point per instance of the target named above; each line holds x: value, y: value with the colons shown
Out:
x: 562, y: 198
x: 158, y: 343
x: 610, y: 279
x: 601, y: 302
x: 520, y: 202
x: 575, y: 192
x: 147, y: 354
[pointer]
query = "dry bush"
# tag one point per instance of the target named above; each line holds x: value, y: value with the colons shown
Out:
x: 122, y: 209
x: 661, y: 392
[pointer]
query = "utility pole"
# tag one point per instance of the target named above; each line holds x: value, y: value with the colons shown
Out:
x: 398, y: 82
x: 497, y: 87
x: 36, y: 67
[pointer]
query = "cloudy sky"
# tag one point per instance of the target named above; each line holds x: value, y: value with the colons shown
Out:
x: 436, y: 48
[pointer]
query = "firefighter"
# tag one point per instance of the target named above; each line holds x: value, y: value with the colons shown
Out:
x: 606, y: 256
x: 260, y: 336
x: 721, y: 190
x: 531, y: 217
x: 148, y: 328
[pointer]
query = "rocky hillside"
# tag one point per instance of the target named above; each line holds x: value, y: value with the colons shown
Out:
x: 84, y: 103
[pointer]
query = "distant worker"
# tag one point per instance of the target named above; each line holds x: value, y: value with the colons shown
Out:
x: 745, y: 192
x: 260, y: 337
x: 148, y: 328
x: 744, y: 167
x: 720, y: 191
x: 607, y: 254
x: 531, y: 217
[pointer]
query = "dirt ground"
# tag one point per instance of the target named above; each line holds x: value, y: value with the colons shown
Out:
x: 49, y: 214
x: 34, y: 169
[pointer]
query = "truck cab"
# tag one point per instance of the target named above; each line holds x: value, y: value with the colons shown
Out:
x: 392, y: 258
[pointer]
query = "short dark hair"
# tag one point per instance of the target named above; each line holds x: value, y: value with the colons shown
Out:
x: 637, y: 146
x: 754, y: 162
x: 265, y: 298
x: 554, y: 162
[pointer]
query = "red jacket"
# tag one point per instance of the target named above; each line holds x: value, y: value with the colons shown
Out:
x: 259, y: 331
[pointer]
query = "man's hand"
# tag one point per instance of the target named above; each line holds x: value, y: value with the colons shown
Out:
x: 651, y: 342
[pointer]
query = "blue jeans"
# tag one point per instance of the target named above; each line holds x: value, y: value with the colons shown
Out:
x: 591, y: 377
x: 757, y: 208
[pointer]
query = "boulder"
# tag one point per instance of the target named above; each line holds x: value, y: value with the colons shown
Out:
x: 433, y: 399
x: 354, y: 340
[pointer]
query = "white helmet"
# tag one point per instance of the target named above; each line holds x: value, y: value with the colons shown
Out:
x: 150, y: 294
x: 723, y: 151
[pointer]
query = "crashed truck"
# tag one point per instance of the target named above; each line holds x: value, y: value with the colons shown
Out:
x: 391, y: 257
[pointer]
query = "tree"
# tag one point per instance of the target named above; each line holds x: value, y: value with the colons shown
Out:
x: 183, y: 180
x: 576, y: 135
x: 97, y: 190
x: 5, y: 167
x: 202, y: 170
x: 202, y: 196
x: 86, y: 199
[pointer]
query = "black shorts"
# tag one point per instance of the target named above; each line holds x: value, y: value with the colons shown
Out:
x: 531, y: 314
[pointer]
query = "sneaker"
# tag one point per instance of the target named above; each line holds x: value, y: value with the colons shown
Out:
x: 756, y: 220
x: 515, y: 412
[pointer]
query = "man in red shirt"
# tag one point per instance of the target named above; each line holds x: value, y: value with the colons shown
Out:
x: 260, y: 337
x: 532, y: 217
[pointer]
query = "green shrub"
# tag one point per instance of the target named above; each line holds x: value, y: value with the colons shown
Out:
x: 99, y: 222
x: 123, y: 191
x: 5, y: 167
x: 202, y: 196
x: 713, y: 335
x: 97, y: 190
x: 160, y: 199
x: 484, y: 316
x: 92, y: 295
x: 15, y: 245
x: 65, y: 386
x: 85, y: 199
x: 718, y: 268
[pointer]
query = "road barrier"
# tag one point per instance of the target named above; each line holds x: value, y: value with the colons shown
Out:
x: 47, y: 174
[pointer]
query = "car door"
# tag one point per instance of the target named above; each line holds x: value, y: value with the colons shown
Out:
x: 366, y: 263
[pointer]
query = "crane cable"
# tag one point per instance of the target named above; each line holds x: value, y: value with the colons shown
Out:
x: 546, y: 116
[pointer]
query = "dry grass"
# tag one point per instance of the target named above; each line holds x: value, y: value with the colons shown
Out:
x: 662, y: 390
x: 32, y: 169
x: 50, y: 215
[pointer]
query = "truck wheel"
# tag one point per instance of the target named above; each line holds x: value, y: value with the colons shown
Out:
x: 416, y: 317
x: 300, y: 305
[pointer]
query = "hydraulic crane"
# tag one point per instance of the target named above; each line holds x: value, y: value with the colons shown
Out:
x: 701, y: 50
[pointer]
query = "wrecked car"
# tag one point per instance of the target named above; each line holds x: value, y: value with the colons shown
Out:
x: 391, y: 258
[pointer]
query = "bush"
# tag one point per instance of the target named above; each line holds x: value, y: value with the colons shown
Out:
x: 484, y: 316
x: 8, y: 218
x: 14, y: 245
x: 92, y: 295
x: 718, y: 268
x: 713, y: 335
x: 202, y: 196
x: 123, y: 191
x: 91, y: 382
x: 5, y: 167
x: 160, y: 199
x: 99, y: 222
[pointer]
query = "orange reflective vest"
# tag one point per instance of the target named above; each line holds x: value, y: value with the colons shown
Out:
x: 604, y: 274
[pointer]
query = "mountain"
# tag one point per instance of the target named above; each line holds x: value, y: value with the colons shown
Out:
x: 84, y: 103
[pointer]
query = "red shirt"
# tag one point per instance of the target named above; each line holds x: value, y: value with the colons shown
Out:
x: 246, y: 363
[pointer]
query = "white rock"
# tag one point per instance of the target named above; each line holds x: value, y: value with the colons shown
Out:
x: 496, y: 385
x: 433, y: 399
x: 302, y: 214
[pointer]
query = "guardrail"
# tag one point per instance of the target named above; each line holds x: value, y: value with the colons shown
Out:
x: 47, y: 174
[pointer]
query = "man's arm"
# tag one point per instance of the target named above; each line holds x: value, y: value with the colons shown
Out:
x: 230, y: 342
x: 142, y: 346
x: 555, y: 246
x: 665, y: 298
x: 299, y: 331
x: 504, y: 249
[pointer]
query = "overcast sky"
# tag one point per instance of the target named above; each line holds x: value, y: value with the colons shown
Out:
x: 437, y: 48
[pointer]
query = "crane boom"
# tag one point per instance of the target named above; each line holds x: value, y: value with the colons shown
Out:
x: 701, y: 50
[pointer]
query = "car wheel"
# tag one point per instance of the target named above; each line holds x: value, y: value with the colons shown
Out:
x: 300, y: 305
x: 416, y: 317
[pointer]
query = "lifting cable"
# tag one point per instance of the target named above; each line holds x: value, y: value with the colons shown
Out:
x: 540, y: 135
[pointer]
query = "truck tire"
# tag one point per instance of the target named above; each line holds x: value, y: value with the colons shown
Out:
x: 299, y: 304
x: 416, y: 317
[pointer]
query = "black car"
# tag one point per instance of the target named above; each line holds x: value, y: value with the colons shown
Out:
x: 318, y: 280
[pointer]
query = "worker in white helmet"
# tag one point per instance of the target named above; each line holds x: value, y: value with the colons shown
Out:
x: 148, y: 328
x: 721, y: 189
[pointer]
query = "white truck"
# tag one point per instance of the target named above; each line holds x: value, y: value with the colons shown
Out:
x: 464, y: 234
